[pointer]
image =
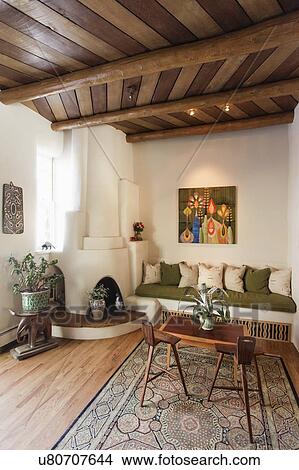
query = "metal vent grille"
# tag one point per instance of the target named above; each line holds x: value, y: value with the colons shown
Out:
x: 257, y: 328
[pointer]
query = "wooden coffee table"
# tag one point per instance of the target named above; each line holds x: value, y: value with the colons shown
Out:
x: 192, y: 335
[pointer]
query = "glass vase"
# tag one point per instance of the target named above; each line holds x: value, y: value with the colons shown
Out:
x: 138, y: 236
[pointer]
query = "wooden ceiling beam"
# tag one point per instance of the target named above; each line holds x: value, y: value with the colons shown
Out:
x: 237, y: 125
x: 220, y: 99
x: 268, y: 34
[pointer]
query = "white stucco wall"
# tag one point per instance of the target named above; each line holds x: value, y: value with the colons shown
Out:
x: 256, y: 161
x: 101, y: 217
x: 94, y: 189
x: 110, y: 159
x: 293, y: 225
x: 22, y: 134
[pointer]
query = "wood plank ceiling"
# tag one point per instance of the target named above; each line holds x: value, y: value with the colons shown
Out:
x: 42, y: 39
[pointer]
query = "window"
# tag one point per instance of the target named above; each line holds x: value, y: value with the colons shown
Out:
x: 45, y: 201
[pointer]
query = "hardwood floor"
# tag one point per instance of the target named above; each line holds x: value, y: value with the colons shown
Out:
x: 41, y: 396
x: 288, y: 353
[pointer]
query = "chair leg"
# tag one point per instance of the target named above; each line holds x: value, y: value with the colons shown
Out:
x: 235, y: 370
x: 179, y: 367
x: 168, y: 356
x: 246, y: 400
x: 220, y: 359
x: 259, y: 382
x: 147, y: 371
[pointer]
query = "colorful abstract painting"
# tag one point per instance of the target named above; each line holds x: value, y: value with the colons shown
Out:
x: 207, y: 215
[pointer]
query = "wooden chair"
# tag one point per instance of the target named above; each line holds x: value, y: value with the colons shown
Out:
x: 152, y: 337
x: 244, y: 353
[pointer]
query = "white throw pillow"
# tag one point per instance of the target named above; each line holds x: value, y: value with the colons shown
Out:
x: 212, y: 276
x: 151, y: 273
x: 233, y: 278
x: 189, y: 275
x: 280, y: 281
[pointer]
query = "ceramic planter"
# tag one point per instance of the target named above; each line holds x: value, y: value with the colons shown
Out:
x: 97, y: 308
x: 207, y: 324
x: 35, y: 301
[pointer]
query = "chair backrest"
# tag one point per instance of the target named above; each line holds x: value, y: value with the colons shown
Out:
x: 148, y: 332
x: 245, y: 349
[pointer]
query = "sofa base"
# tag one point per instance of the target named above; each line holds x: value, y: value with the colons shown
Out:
x: 260, y: 323
x: 257, y: 328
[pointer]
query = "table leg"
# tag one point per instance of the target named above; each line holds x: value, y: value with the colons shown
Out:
x: 235, y: 372
x: 168, y: 356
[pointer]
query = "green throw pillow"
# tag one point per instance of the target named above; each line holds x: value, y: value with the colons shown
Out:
x: 256, y: 280
x: 170, y: 274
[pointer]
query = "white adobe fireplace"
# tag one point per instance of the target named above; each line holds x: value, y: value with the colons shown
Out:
x: 96, y: 174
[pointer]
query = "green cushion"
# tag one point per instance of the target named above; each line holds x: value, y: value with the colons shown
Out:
x: 170, y: 274
x: 274, y: 302
x: 256, y: 280
x: 162, y: 292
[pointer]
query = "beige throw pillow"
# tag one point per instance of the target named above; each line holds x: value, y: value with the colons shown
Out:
x: 233, y: 278
x: 189, y: 275
x: 212, y: 276
x: 151, y: 273
x: 280, y: 281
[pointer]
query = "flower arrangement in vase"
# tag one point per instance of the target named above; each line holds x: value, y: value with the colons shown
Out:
x: 138, y: 228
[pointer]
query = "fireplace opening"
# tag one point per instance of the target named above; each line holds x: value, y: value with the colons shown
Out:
x: 114, y: 300
x: 57, y: 293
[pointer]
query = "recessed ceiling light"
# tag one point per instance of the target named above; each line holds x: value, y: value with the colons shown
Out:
x: 226, y: 107
x: 191, y: 112
x: 131, y: 91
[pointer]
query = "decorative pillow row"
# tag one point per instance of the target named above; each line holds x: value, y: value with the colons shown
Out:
x: 238, y: 279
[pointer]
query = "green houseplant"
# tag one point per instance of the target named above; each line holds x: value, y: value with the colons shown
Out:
x: 208, y: 304
x: 97, y: 302
x: 33, y: 282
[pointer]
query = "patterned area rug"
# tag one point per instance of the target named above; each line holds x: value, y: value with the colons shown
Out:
x: 115, y: 420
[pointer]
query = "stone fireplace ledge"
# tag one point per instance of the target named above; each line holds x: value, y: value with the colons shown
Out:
x: 152, y: 312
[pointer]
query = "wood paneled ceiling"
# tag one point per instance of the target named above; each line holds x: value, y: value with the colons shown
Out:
x: 141, y: 65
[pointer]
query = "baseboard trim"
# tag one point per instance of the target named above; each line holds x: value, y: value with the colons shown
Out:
x: 8, y: 336
x: 258, y: 328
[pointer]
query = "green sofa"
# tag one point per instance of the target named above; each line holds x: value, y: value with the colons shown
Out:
x: 272, y: 302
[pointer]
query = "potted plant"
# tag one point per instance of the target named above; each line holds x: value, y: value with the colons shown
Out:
x: 97, y: 302
x: 138, y: 229
x: 34, y: 284
x: 209, y: 304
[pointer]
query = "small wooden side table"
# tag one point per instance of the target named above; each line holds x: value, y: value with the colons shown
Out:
x: 36, y: 329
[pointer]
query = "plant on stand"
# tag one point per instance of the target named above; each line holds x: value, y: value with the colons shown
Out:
x: 209, y: 304
x: 97, y: 302
x: 34, y: 284
x: 138, y: 228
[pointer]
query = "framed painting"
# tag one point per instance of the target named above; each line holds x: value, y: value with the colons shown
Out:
x: 13, y: 216
x: 207, y: 215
